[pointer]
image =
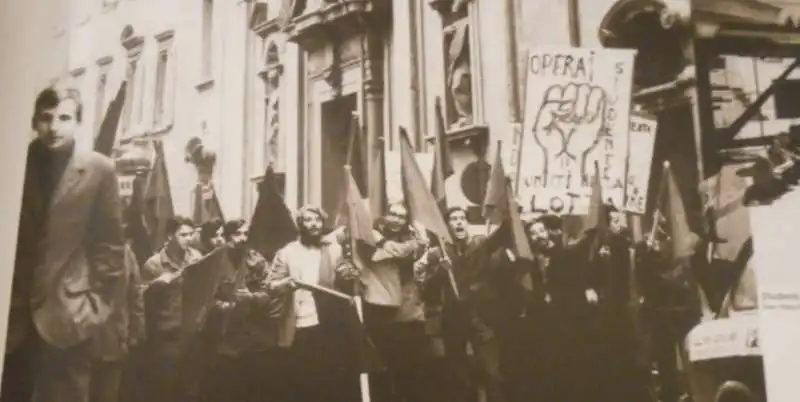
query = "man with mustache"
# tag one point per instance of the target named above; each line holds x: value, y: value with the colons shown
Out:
x: 393, y: 310
x: 70, y: 256
x: 244, y: 322
x: 310, y: 324
x: 454, y: 324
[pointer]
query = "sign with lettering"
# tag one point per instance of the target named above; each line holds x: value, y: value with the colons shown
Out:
x: 577, y: 113
x: 731, y: 337
x: 394, y: 175
x: 641, y: 142
x: 125, y: 185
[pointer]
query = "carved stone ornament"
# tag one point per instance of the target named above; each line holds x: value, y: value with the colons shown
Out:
x: 459, y: 74
x: 448, y: 6
x: 129, y: 38
x: 203, y: 159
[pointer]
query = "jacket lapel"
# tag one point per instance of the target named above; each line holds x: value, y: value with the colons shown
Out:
x: 73, y: 173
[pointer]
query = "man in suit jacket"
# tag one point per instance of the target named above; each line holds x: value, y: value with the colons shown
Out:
x: 69, y: 256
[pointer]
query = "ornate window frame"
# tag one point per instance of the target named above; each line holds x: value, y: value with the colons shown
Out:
x: 164, y: 97
x: 134, y: 71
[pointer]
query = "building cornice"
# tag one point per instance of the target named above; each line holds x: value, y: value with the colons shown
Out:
x: 313, y: 28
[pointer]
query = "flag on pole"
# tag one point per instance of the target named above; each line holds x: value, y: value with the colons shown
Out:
x: 206, y: 204
x: 107, y: 134
x: 272, y: 225
x: 355, y: 159
x: 158, y: 199
x: 499, y: 203
x: 421, y: 203
x: 135, y: 225
x: 201, y: 281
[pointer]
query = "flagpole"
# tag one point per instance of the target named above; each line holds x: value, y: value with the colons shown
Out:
x: 363, y: 378
x: 657, y: 212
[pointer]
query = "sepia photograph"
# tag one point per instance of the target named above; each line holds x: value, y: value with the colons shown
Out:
x: 402, y: 200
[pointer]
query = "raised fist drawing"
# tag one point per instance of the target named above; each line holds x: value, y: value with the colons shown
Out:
x: 569, y: 124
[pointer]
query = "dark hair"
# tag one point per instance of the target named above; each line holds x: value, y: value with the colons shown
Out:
x: 450, y: 211
x: 551, y: 222
x: 230, y: 227
x: 209, y: 229
x: 50, y: 97
x: 175, y: 223
x: 298, y: 220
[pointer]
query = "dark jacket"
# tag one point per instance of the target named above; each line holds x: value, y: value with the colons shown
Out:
x: 125, y: 325
x: 164, y: 302
x: 250, y: 322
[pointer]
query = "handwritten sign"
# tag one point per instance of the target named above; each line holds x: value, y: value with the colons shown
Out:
x: 642, y: 138
x: 394, y: 175
x: 577, y: 115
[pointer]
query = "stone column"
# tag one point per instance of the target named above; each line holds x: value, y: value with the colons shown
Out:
x: 373, y: 104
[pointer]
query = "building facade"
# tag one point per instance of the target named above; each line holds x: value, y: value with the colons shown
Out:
x: 282, y: 83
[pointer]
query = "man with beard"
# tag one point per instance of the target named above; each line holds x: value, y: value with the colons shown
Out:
x: 161, y: 276
x: 558, y: 309
x: 244, y: 320
x: 393, y: 310
x: 209, y: 236
x: 454, y: 324
x: 310, y: 324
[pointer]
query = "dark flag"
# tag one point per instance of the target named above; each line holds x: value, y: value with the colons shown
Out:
x: 421, y: 203
x: 107, y: 134
x: 206, y: 204
x: 272, y: 225
x: 200, y: 283
x: 596, y: 221
x: 677, y: 241
x: 158, y: 199
x: 442, y: 162
x: 499, y: 201
x: 135, y: 226
x: 355, y: 159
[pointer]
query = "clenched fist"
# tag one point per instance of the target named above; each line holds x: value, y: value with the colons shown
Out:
x: 570, y: 123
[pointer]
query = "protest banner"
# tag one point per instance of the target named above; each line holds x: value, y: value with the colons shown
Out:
x: 394, y: 176
x: 642, y: 140
x: 577, y: 113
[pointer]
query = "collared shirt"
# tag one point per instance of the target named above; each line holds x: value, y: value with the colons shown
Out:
x: 164, y: 302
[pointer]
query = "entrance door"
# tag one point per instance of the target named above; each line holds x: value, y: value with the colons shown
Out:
x: 337, y: 120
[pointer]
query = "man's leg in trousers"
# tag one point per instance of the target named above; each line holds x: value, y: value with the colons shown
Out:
x: 664, y: 348
x: 487, y: 355
x: 63, y: 374
x: 105, y: 381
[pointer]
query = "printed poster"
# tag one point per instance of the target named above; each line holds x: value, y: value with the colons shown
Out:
x: 642, y: 140
x: 577, y: 114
